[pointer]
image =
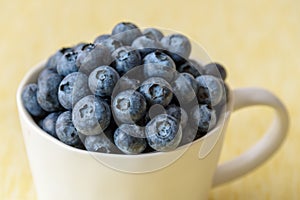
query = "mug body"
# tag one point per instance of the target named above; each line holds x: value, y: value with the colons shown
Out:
x: 63, y: 172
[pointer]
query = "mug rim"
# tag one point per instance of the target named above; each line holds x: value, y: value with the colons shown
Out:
x: 33, y: 125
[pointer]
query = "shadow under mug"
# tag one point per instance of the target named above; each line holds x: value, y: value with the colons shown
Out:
x: 63, y: 172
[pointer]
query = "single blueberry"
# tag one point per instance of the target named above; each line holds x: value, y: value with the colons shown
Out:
x: 178, y: 113
x: 177, y: 43
x: 130, y: 139
x: 65, y: 130
x: 156, y: 91
x: 93, y: 56
x: 192, y: 67
x: 30, y: 102
x: 210, y: 89
x: 129, y: 106
x: 67, y: 63
x: 126, y: 58
x: 154, y: 33
x: 215, y: 69
x: 91, y: 115
x: 126, y: 32
x: 183, y: 89
x: 49, y: 123
x: 103, y: 80
x: 203, y: 118
x: 73, y: 88
x: 47, y: 93
x: 163, y: 133
x: 159, y: 64
x: 54, y: 59
x: 100, y: 143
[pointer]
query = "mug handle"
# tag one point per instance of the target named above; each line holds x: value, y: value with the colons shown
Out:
x: 266, y: 146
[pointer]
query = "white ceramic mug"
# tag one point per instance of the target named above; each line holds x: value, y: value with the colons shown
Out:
x: 63, y: 172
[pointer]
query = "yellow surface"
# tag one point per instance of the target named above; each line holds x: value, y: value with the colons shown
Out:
x: 257, y: 41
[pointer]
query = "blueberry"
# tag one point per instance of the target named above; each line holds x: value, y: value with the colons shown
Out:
x: 111, y: 43
x: 183, y: 89
x: 93, y: 56
x: 146, y: 44
x: 130, y: 139
x: 211, y: 89
x: 178, y: 113
x: 177, y: 43
x: 126, y: 32
x: 101, y: 38
x: 47, y: 93
x: 215, y: 69
x: 54, y: 59
x: 192, y: 67
x: 100, y: 143
x: 129, y: 106
x: 65, y: 130
x: 73, y: 88
x: 154, y: 33
x: 203, y: 118
x: 126, y: 58
x: 160, y: 65
x: 163, y: 133
x: 103, y: 80
x: 156, y: 91
x: 67, y: 63
x: 30, y: 102
x: 49, y: 123
x: 91, y: 115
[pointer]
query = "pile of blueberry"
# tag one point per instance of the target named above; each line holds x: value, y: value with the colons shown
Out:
x: 130, y: 91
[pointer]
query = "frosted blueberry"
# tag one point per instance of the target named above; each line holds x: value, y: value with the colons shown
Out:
x: 153, y: 33
x: 130, y: 139
x: 91, y: 115
x: 73, y: 88
x: 177, y: 43
x: 65, y: 130
x: 103, y: 80
x: 210, y: 89
x: 163, y: 133
x: 156, y: 91
x: 30, y: 102
x: 129, y: 106
x: 126, y: 58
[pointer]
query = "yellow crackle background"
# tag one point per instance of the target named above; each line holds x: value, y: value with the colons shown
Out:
x: 257, y: 41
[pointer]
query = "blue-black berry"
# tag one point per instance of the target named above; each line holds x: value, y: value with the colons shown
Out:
x: 130, y: 139
x: 91, y: 115
x: 163, y: 133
